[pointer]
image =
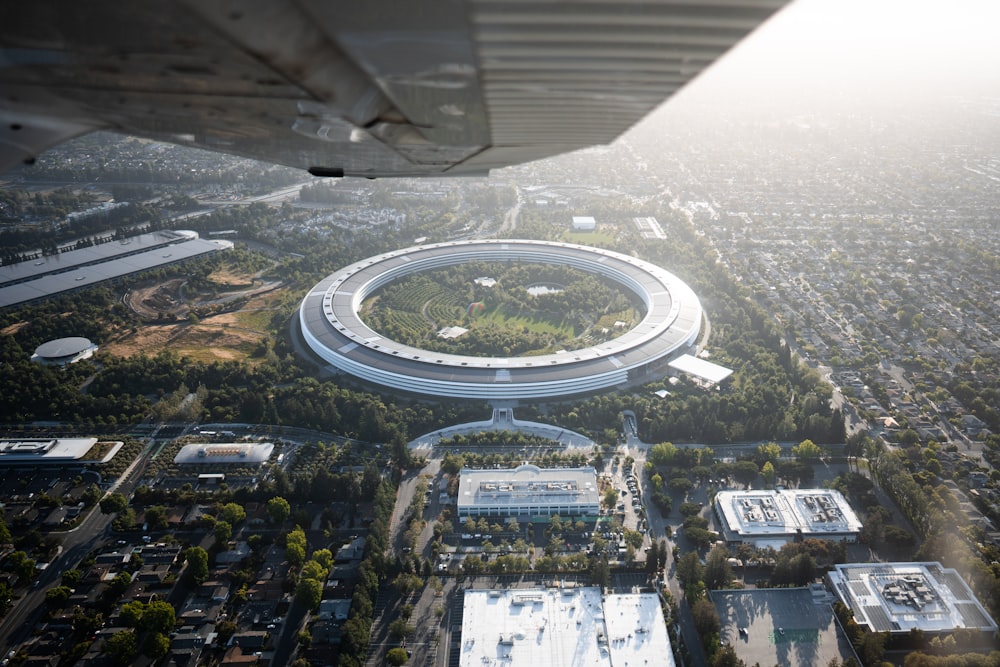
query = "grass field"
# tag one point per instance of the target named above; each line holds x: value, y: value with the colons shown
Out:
x: 597, y: 239
x: 534, y: 324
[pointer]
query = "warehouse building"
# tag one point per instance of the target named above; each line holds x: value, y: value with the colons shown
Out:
x: 772, y: 518
x: 42, y: 451
x: 73, y: 270
x: 900, y: 597
x: 560, y: 627
x: 528, y: 491
x: 237, y: 453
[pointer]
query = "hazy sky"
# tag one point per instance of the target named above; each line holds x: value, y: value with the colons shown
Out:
x: 864, y: 51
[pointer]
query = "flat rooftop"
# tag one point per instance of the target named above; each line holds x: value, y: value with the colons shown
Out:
x: 899, y: 597
x: 770, y: 514
x: 242, y: 453
x: 701, y: 369
x: 27, y: 281
x: 562, y: 627
x: 527, y: 484
x: 44, y: 450
x: 96, y: 254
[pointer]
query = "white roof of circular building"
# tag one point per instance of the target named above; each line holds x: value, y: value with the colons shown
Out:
x: 333, y: 330
x: 63, y: 347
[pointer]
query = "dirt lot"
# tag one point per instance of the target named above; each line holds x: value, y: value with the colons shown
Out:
x: 207, y: 341
x: 228, y: 335
x: 159, y: 300
x: 13, y: 328
x: 226, y: 278
x: 174, y: 299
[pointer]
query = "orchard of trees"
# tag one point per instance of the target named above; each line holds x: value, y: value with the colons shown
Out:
x: 503, y: 319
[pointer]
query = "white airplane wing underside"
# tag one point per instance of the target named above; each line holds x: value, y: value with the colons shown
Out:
x: 376, y: 88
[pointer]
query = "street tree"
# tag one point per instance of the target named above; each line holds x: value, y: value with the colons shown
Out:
x: 807, y: 451
x: 718, y: 573
x: 680, y: 484
x: 223, y: 531
x: 197, y: 565
x: 309, y: 592
x: 706, y: 618
x: 397, y: 656
x: 159, y: 616
x: 113, y: 502
x: 768, y: 452
x: 767, y: 473
x: 399, y: 629
x: 689, y: 572
x: 122, y: 646
x: 233, y: 513
x: 278, y: 509
x: 156, y: 645
x: 745, y: 472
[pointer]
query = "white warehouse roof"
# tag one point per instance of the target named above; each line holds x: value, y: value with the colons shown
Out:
x: 899, y: 597
x: 767, y: 517
x: 245, y: 453
x: 44, y: 450
x: 562, y: 628
x: 528, y: 486
x: 705, y: 370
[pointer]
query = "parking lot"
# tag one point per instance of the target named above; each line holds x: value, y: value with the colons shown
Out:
x: 789, y: 627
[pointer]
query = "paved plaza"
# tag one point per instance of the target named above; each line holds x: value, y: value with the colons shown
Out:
x: 792, y: 627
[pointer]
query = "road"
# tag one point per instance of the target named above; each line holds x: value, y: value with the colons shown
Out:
x: 286, y: 644
x: 510, y: 218
x: 76, y: 544
x: 657, y: 525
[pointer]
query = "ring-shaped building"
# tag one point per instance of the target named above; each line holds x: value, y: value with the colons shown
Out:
x: 332, y: 328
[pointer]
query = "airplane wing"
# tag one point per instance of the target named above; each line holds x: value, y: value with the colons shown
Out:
x: 374, y: 88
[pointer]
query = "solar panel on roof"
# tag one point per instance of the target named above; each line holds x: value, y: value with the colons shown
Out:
x: 972, y: 617
x: 878, y: 619
x: 93, y: 274
x: 956, y: 585
x: 859, y: 587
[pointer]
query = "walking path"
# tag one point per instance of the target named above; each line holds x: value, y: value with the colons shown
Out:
x: 503, y: 420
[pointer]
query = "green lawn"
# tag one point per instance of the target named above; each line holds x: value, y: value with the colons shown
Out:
x: 538, y: 325
x: 596, y: 239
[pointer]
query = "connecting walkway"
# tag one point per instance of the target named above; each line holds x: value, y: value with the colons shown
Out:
x: 503, y: 420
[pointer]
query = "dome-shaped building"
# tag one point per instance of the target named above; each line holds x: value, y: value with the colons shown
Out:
x: 62, y: 351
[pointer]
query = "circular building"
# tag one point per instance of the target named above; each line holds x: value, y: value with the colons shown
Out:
x: 333, y: 330
x: 62, y: 351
